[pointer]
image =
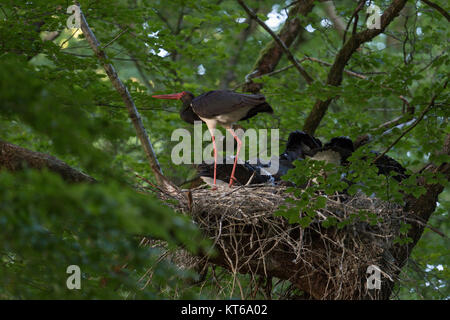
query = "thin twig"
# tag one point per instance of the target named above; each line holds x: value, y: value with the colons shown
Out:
x: 115, y: 38
x: 68, y: 39
x: 430, y: 105
x: 438, y: 8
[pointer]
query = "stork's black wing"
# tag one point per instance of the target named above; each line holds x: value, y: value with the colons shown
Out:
x: 243, y: 173
x: 214, y: 103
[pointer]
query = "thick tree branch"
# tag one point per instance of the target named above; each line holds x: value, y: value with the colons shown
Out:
x: 278, y: 41
x: 15, y: 158
x: 336, y: 72
x: 419, y: 210
x: 128, y: 101
x: 272, y: 53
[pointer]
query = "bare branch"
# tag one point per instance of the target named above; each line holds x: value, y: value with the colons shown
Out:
x: 279, y: 41
x: 128, y: 101
x: 272, y: 53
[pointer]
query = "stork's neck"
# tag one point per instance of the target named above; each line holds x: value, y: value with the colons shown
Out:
x: 187, y: 114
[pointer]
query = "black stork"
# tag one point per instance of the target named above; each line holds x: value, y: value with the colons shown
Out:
x: 299, y: 145
x: 336, y: 151
x: 220, y: 107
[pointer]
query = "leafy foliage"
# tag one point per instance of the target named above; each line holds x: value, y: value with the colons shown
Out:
x: 56, y: 98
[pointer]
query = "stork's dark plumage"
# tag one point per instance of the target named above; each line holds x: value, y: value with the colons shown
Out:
x: 336, y: 151
x: 301, y: 145
x: 298, y: 146
x: 244, y: 173
x: 388, y: 166
x: 220, y: 107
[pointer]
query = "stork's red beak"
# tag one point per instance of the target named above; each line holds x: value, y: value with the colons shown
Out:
x: 172, y: 96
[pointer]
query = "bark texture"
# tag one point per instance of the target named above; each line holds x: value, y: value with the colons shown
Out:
x: 271, y: 55
x: 14, y: 158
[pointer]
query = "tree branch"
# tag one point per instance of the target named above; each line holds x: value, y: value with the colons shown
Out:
x: 279, y: 42
x: 430, y: 105
x: 128, y: 101
x: 336, y: 72
x: 419, y: 209
x: 272, y: 53
x: 15, y: 158
x: 438, y: 8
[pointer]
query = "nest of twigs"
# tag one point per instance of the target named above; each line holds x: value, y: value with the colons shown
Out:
x: 250, y: 239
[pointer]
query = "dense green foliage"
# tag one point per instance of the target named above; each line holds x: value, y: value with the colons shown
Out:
x: 55, y: 98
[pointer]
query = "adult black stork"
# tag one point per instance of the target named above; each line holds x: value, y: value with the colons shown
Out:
x: 220, y: 107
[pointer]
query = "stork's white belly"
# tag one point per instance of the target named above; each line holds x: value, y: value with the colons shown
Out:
x: 227, y: 119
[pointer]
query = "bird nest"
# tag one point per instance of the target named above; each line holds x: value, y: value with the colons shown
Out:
x: 322, y: 262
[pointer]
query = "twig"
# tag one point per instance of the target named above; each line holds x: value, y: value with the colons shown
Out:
x: 164, y: 19
x: 438, y: 8
x: 68, y: 39
x: 430, y: 105
x: 115, y: 38
x: 288, y: 53
x: 354, y: 14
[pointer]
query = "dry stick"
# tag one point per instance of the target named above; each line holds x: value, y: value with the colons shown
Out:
x: 430, y: 105
x: 280, y: 42
x: 128, y: 101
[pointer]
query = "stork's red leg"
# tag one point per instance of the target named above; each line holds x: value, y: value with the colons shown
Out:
x: 215, y: 160
x: 239, y: 143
